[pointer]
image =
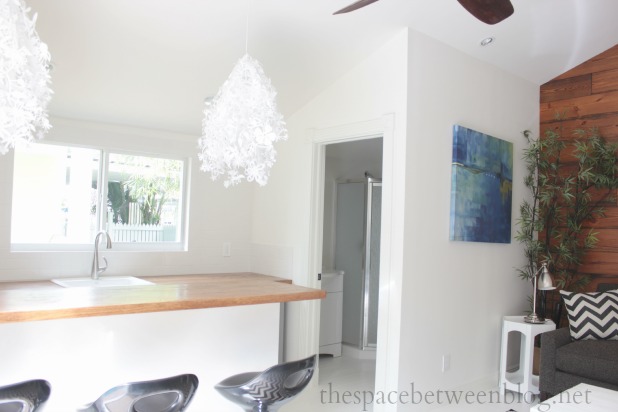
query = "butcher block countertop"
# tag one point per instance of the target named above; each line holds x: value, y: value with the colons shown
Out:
x: 44, y: 300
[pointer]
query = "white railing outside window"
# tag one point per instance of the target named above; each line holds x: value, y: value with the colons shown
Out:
x: 64, y: 195
x: 125, y: 232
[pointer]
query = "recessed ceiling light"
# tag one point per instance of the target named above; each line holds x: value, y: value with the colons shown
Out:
x: 487, y: 41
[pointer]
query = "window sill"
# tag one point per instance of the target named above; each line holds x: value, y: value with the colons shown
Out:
x: 117, y: 247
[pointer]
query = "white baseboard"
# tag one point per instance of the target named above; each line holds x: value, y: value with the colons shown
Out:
x: 354, y: 352
x: 333, y: 349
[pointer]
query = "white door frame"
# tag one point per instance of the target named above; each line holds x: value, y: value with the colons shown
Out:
x: 387, y: 353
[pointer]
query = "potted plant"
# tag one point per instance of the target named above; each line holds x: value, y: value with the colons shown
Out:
x: 569, y: 181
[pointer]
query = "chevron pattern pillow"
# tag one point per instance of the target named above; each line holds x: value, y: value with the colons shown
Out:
x: 592, y: 316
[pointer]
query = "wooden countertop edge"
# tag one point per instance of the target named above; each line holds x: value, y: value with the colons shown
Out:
x: 199, y: 282
x: 84, y: 312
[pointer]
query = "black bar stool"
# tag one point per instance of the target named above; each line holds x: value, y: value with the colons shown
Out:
x: 162, y: 395
x: 25, y: 396
x: 268, y: 390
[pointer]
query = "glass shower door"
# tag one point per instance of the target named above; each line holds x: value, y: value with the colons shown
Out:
x: 349, y: 247
x: 357, y: 252
x: 372, y: 264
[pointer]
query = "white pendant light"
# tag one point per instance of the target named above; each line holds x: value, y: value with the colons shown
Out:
x: 24, y: 77
x: 240, y: 125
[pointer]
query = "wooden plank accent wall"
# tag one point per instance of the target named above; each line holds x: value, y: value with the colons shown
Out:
x: 586, y: 97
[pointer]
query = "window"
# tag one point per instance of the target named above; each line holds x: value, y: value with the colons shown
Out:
x: 57, y: 193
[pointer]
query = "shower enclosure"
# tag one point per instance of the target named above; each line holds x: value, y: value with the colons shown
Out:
x: 357, y: 252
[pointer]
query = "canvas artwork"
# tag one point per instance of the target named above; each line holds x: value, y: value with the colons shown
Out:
x: 481, y: 187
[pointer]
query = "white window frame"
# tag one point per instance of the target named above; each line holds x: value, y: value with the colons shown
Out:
x: 101, y: 218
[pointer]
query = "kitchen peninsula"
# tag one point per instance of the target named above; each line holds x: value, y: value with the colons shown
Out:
x: 87, y: 340
x: 30, y: 301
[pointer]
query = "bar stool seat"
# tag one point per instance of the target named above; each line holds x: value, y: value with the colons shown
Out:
x: 268, y: 390
x: 26, y: 396
x: 161, y: 395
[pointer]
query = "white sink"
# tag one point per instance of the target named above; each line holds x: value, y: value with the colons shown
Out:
x: 103, y: 281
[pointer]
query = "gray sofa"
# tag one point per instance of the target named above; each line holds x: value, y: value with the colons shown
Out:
x: 566, y: 363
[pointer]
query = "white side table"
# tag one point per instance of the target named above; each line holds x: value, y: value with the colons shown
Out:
x: 522, y: 380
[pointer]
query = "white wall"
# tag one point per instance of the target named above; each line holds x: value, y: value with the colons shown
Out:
x: 282, y: 209
x: 217, y: 214
x: 455, y: 293
x: 464, y: 288
x: 437, y: 297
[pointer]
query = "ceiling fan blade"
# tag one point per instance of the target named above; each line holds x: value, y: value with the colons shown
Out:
x: 355, y: 6
x: 488, y: 11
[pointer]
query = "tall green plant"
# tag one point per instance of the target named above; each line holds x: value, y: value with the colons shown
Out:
x: 151, y: 194
x: 118, y: 199
x: 151, y: 191
x: 566, y: 197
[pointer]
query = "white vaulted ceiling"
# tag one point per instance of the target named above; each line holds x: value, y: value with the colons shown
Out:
x: 152, y: 63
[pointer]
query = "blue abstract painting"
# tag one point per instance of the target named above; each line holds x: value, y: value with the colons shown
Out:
x: 481, y: 187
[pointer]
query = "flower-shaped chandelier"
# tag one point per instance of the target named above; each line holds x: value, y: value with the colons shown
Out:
x: 24, y: 77
x: 240, y: 125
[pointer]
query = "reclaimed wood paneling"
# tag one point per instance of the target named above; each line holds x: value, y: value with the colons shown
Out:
x: 607, y: 60
x: 604, y: 81
x: 566, y: 88
x: 578, y: 107
x: 609, y: 221
x: 587, y: 97
x: 607, y: 124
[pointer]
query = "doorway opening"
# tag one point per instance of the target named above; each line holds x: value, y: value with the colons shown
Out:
x: 351, y: 262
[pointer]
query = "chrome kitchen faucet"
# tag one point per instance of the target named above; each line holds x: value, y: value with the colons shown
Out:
x: 97, y: 269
